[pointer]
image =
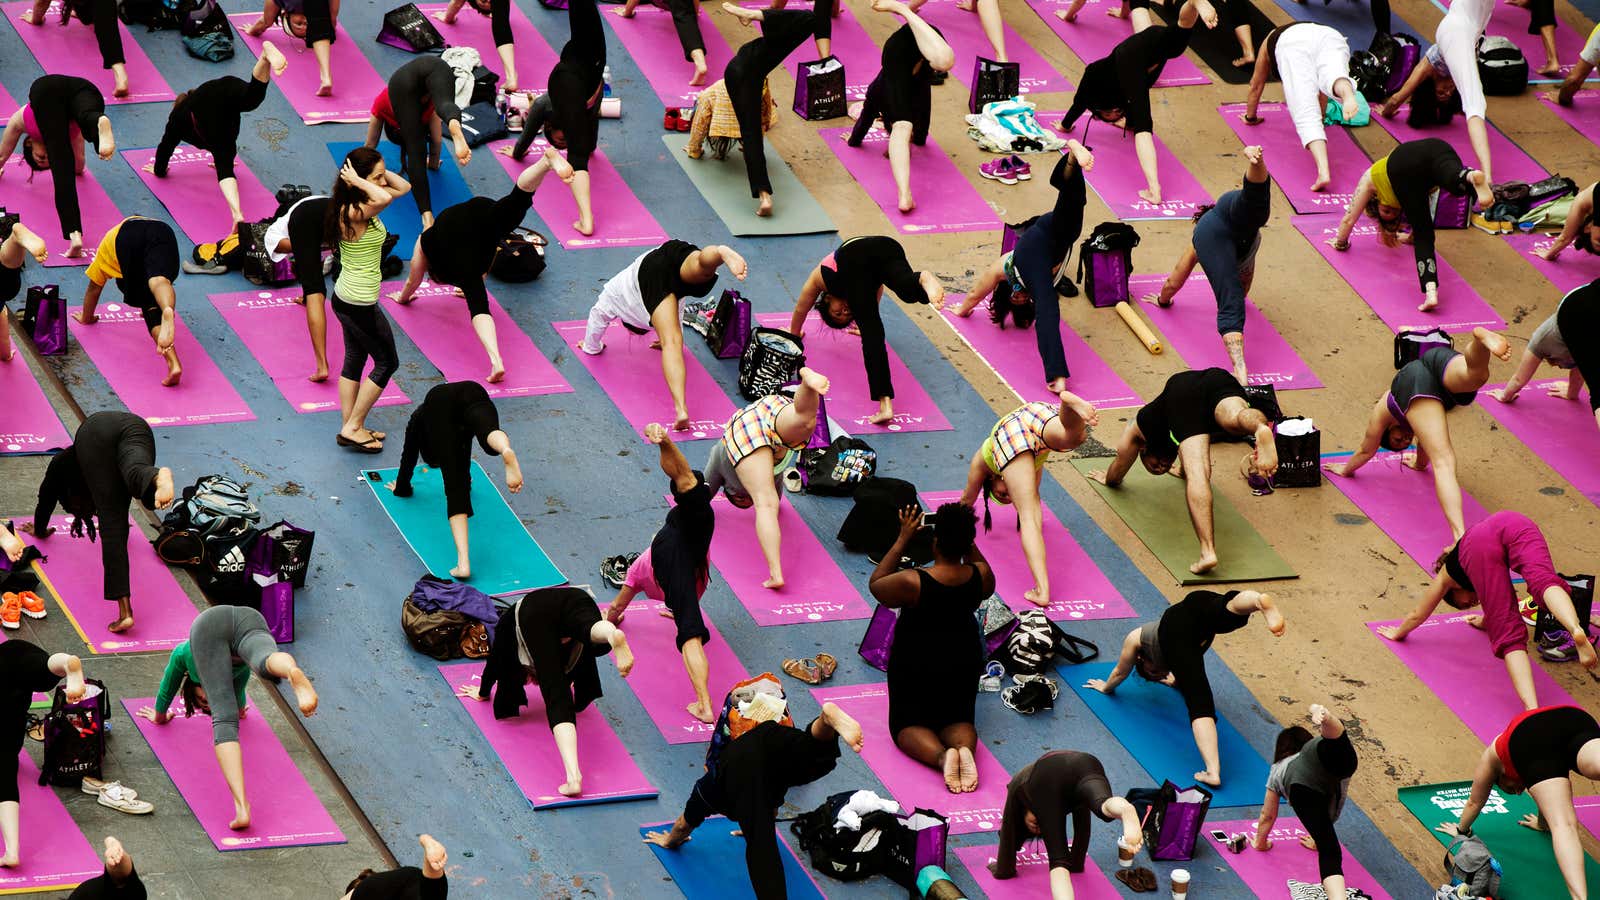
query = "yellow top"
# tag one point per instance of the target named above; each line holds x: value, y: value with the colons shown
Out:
x: 1380, y: 183
x: 105, y: 265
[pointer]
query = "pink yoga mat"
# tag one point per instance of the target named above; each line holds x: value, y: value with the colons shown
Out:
x: 620, y: 219
x: 28, y: 423
x: 436, y: 320
x: 837, y: 355
x: 1453, y: 660
x: 1386, y: 278
x: 946, y: 200
x: 1190, y: 328
x: 1588, y: 813
x: 355, y: 82
x: 1290, y: 164
x: 1117, y: 178
x: 284, y: 810
x: 653, y: 45
x: 1512, y: 23
x: 630, y: 374
x: 273, y: 327
x: 1013, y: 354
x: 1033, y: 876
x: 1094, y: 35
x: 70, y: 49
x: 1509, y: 160
x: 814, y: 590
x: 35, y: 201
x: 1583, y: 115
x: 534, y: 56
x: 851, y: 44
x: 1401, y: 501
x: 1560, y: 432
x: 911, y: 783
x: 658, y: 678
x: 121, y: 348
x: 1573, y: 268
x: 528, y: 751
x: 190, y: 193
x: 1267, y: 873
x: 964, y: 33
x: 55, y: 854
x: 1078, y: 589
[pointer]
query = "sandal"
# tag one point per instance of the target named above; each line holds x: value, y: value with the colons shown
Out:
x: 1139, y: 880
x: 803, y: 669
x: 827, y: 664
x: 119, y: 798
x: 359, y: 446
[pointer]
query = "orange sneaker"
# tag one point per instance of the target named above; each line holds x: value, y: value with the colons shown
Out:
x: 10, y: 611
x: 32, y: 606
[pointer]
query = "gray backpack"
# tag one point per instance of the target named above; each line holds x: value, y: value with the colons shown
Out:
x: 1470, y: 864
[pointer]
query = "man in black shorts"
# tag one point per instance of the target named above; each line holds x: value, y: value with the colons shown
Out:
x: 142, y: 255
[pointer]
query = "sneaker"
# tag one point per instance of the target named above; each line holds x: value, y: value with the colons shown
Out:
x: 32, y: 606
x: 1529, y: 609
x: 998, y: 170
x: 614, y: 569
x: 212, y: 266
x: 1021, y: 169
x: 1046, y: 680
x: 121, y: 799
x: 1557, y: 646
x: 669, y: 119
x: 10, y: 611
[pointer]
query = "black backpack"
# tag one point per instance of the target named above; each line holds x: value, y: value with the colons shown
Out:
x: 75, y: 737
x: 1502, y: 68
x: 845, y: 854
x: 520, y: 256
x: 874, y: 522
x: 1370, y: 74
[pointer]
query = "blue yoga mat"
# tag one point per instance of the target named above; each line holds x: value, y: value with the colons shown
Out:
x: 401, y: 217
x: 505, y: 558
x: 1151, y: 722
x: 710, y: 866
x: 1351, y: 18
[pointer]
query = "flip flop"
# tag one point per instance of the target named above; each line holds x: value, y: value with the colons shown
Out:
x: 359, y: 447
x: 803, y: 669
x: 1139, y: 880
x: 827, y: 664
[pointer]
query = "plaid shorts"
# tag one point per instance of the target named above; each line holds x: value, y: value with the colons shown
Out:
x: 1019, y: 431
x: 756, y: 426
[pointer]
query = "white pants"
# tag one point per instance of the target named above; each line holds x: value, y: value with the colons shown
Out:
x: 1311, y: 58
x: 1457, y: 39
x: 611, y: 305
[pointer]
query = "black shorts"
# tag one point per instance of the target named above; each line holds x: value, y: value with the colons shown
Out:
x: 10, y: 284
x: 1545, y: 745
x: 1186, y: 407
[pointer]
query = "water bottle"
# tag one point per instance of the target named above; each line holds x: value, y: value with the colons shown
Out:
x: 934, y: 883
x: 605, y: 81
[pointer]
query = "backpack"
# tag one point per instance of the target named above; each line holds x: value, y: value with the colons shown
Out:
x: 214, y: 518
x: 1105, y: 261
x: 75, y: 736
x: 255, y: 263
x: 1502, y: 68
x: 519, y: 257
x: 438, y: 633
x: 1031, y: 644
x: 842, y: 853
x: 839, y: 468
x: 772, y: 358
x: 482, y: 122
x: 732, y: 725
x: 1398, y: 55
x: 1370, y: 75
x: 229, y: 253
x: 1470, y: 864
x: 874, y: 521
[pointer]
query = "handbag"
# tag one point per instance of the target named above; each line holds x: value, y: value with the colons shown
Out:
x: 436, y: 633
x: 1264, y: 399
x: 482, y: 122
x: 1410, y: 345
x: 1172, y: 819
x: 993, y: 81
x: 730, y: 326
x: 1451, y: 211
x: 819, y: 89
x: 873, y: 522
x: 44, y: 319
x: 771, y: 359
x: 996, y: 621
x: 475, y: 641
x: 283, y: 551
x: 1299, y: 455
x: 917, y: 844
x: 406, y: 28
x: 879, y: 639
x: 277, y: 607
x: 75, y: 736
x: 519, y: 257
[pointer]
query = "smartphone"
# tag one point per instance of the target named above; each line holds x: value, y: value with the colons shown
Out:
x: 1219, y: 835
x: 374, y: 476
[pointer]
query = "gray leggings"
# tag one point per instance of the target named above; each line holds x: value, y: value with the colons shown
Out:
x: 221, y: 637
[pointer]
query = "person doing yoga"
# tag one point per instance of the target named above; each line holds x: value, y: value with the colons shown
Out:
x: 1021, y: 283
x: 414, y: 112
x: 937, y: 654
x: 1588, y: 58
x: 1313, y: 62
x: 1476, y: 572
x: 1116, y: 88
x: 902, y: 93
x: 1176, y: 427
x: 551, y: 637
x: 750, y: 781
x: 119, y: 881
x: 142, y: 255
x: 745, y: 80
x: 210, y: 672
x: 16, y: 245
x: 461, y: 246
x: 1578, y: 315
x: 648, y: 295
x: 428, y: 882
x: 1414, y: 409
x: 25, y: 669
x: 1446, y: 78
x: 297, y: 235
x: 989, y: 19
x: 1172, y: 651
x: 1542, y: 22
x: 568, y: 114
x: 1313, y: 774
x: 676, y: 568
x: 499, y: 13
x: 112, y: 460
x: 686, y: 22
x: 61, y: 113
x: 1396, y: 190
x: 1582, y: 226
x: 1039, y: 799
x: 315, y: 22
x: 757, y: 444
x: 1226, y: 238
x: 846, y: 289
x: 103, y: 17
x: 1009, y: 466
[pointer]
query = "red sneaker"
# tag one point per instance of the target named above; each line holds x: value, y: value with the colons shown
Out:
x: 10, y: 611
x: 671, y: 121
x: 32, y: 606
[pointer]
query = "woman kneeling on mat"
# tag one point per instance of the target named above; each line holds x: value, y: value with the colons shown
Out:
x: 1039, y: 799
x: 118, y: 882
x: 499, y: 13
x: 937, y: 653
x: 211, y: 670
x: 421, y: 95
x: 25, y: 669
x: 313, y: 21
x: 1313, y: 61
x: 16, y: 246
x: 846, y: 289
x: 1009, y: 466
x: 1563, y: 341
x: 1172, y: 651
x: 407, y: 882
x: 142, y: 255
x: 1414, y: 409
x: 103, y: 17
x: 551, y: 637
x: 1582, y: 226
x: 902, y: 93
x: 1313, y: 774
x: 1477, y: 572
x: 1446, y: 80
x: 62, y: 112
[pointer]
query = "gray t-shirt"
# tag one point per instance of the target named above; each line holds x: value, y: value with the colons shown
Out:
x: 1305, y: 769
x: 1548, y: 345
x: 1150, y: 659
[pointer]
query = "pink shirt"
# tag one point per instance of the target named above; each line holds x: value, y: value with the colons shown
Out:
x: 30, y: 125
x: 1489, y: 552
x: 642, y: 578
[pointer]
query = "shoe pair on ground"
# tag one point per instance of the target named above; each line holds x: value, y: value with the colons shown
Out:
x: 113, y: 795
x: 1006, y: 170
x: 14, y: 606
x: 813, y: 670
x: 1031, y: 694
x: 676, y: 119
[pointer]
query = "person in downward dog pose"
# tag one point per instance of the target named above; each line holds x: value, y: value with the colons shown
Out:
x: 428, y: 882
x: 1313, y: 62
x: 994, y: 26
x: 27, y: 669
x: 102, y: 16
x: 1313, y: 774
x: 1588, y: 58
x: 62, y: 112
x: 15, y: 248
x: 1582, y: 226
x: 313, y: 21
x: 414, y: 111
x: 1009, y: 466
x: 1039, y: 799
x: 142, y: 256
x: 1172, y: 651
x: 901, y: 94
x: 1414, y: 409
x: 499, y: 13
x: 568, y: 115
x: 1578, y: 315
x: 686, y: 22
x: 1447, y: 75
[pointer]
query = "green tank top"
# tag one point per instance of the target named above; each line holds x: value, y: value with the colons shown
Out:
x: 361, y: 266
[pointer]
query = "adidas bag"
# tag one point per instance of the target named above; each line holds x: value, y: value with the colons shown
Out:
x: 482, y: 122
x: 214, y: 517
x: 1502, y: 68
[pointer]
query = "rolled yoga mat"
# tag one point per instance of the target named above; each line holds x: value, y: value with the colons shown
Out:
x: 1267, y: 873
x: 1155, y: 508
x: 1574, y: 268
x: 1401, y: 501
x: 1560, y: 432
x: 56, y: 855
x: 437, y: 321
x: 121, y: 348
x: 814, y: 590
x: 70, y: 49
x: 946, y: 200
x: 711, y: 866
x: 1094, y: 35
x: 1510, y: 161
x: 652, y: 44
x: 1190, y: 329
x: 1012, y: 353
x: 28, y: 423
x: 1117, y: 178
x: 534, y: 56
x: 1033, y: 875
x: 401, y: 217
x: 34, y: 200
x: 355, y: 82
x: 190, y: 195
x: 629, y: 372
x: 964, y: 33
x: 620, y: 219
x: 1291, y: 165
x: 1513, y: 24
x: 664, y: 691
x: 726, y: 190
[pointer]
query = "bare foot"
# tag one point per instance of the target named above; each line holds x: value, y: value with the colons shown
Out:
x: 969, y: 770
x: 699, y: 76
x: 1068, y: 16
x: 325, y: 88
x: 1244, y: 62
x: 1497, y: 345
x: 907, y: 202
x: 558, y: 164
x: 105, y: 140
x: 1321, y: 184
x: 119, y: 86
x: 774, y: 582
x: 952, y: 770
x: 1208, y: 778
x: 572, y: 787
x: 681, y: 423
x: 879, y: 418
x: 241, y: 816
x: 622, y: 655
x: 1550, y: 69
x: 1082, y: 407
x: 30, y: 242
x: 121, y: 625
x: 1480, y: 186
x: 1205, y: 563
x: 848, y: 729
x: 461, y: 573
x: 585, y: 230
x: 114, y: 853
x: 497, y: 370
x: 174, y: 373
x: 75, y: 246
x: 745, y: 16
x: 701, y: 711
x: 1275, y: 621
x: 319, y: 376
x: 889, y: 6
x: 165, y: 490
x: 1150, y: 196
x: 433, y: 854
x: 1430, y: 299
x: 275, y: 57
x: 305, y: 696
x: 10, y: 861
x: 1037, y: 597
x: 765, y: 208
x: 814, y: 380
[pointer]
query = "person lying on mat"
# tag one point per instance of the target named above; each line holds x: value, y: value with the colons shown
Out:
x: 297, y: 235
x: 1535, y: 754
x: 676, y: 568
x: 686, y: 22
x: 62, y: 112
x: 1009, y: 466
x: 1018, y: 280
x: 313, y: 21
x: 1578, y: 314
x: 1116, y: 88
x: 1313, y: 774
x: 142, y: 255
x: 902, y: 94
x: 414, y: 112
x: 1039, y: 799
x: 102, y: 16
x: 118, y: 882
x: 407, y: 882
x: 15, y: 247
x: 1176, y: 427
x: 499, y: 13
x: 846, y: 289
x: 203, y: 672
x: 568, y: 114
x: 758, y: 443
x: 937, y: 655
x: 1313, y: 62
x: 1172, y: 651
x: 1446, y: 80
x: 1414, y: 409
x: 1396, y: 191
x: 1226, y: 238
x: 1588, y: 58
x: 461, y: 246
x: 25, y: 669
x: 749, y: 782
x: 1476, y: 572
x: 647, y: 295
x: 560, y: 634
x: 1582, y: 226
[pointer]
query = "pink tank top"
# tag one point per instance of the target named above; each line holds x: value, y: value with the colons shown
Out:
x: 30, y: 125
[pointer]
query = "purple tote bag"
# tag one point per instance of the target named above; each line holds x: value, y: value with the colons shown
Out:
x: 875, y: 644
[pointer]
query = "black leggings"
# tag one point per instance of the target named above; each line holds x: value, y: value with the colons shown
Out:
x: 499, y: 21
x: 1416, y: 169
x: 305, y: 245
x: 106, y: 887
x: 575, y: 80
x: 208, y: 118
x: 1314, y: 808
x: 319, y: 22
x: 782, y: 31
x: 1541, y: 13
x: 117, y: 455
x: 59, y: 102
x: 1185, y: 634
x: 686, y: 21
x: 1040, y: 249
x: 101, y: 15
x: 366, y: 336
x: 424, y: 78
x: 1578, y: 320
x: 24, y: 668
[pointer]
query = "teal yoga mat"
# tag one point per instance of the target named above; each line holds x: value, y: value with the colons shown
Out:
x: 505, y: 558
x: 725, y: 188
x: 401, y: 217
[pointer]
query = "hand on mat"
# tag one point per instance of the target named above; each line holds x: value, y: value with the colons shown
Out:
x: 1475, y: 620
x: 470, y: 692
x: 27, y: 528
x: 1389, y: 108
x: 1449, y: 828
x: 665, y: 839
x: 1249, y: 119
x: 1098, y: 476
x: 1391, y: 633
x: 1533, y: 821
x: 1338, y: 244
x: 1308, y: 842
x: 148, y: 167
x: 1099, y: 684
x: 149, y: 712
x: 1264, y: 846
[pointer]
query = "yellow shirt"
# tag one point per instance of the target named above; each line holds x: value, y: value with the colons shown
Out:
x: 105, y: 265
x: 1380, y: 183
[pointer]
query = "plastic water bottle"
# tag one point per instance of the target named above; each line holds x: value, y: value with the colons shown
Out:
x: 605, y: 81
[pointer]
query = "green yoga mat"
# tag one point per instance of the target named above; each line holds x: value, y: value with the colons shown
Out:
x: 725, y: 187
x: 1154, y: 507
x: 1528, y: 865
x: 505, y: 558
